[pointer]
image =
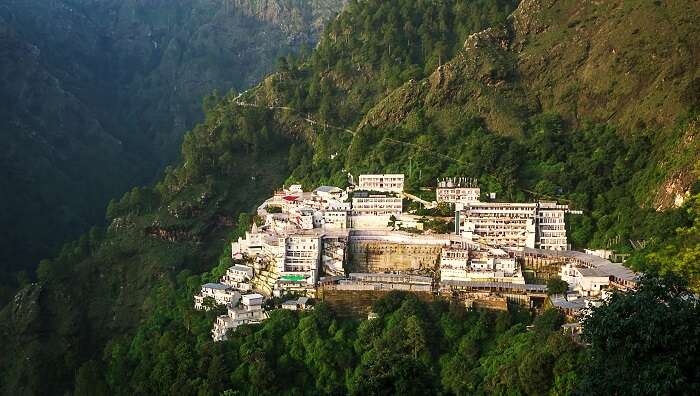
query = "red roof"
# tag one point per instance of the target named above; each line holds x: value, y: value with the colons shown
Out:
x: 290, y: 198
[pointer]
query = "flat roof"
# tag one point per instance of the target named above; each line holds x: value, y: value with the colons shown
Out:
x: 217, y: 286
x: 253, y: 295
x: 585, y: 271
x: 328, y: 189
x: 240, y: 267
x: 502, y: 285
x: 292, y: 277
x: 607, y: 267
x: 561, y: 302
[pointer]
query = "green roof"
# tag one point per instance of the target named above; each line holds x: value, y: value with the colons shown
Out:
x: 292, y: 277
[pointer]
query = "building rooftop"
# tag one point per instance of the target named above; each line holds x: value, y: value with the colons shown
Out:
x: 591, y: 272
x: 563, y: 303
x: 299, y: 301
x: 293, y: 278
x: 329, y: 189
x: 501, y: 285
x: 607, y: 267
x: 216, y: 286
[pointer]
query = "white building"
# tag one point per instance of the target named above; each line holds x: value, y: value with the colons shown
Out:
x: 551, y: 226
x: 330, y: 193
x: 249, y: 311
x: 335, y: 219
x: 298, y: 304
x: 500, y: 224
x: 238, y: 277
x: 589, y: 282
x: 364, y: 204
x: 219, y: 292
x: 454, y: 263
x: 388, y: 182
x: 459, y: 263
x: 536, y: 225
x: 302, y: 254
x: 457, y: 190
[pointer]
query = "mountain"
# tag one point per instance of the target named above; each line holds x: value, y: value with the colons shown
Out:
x: 587, y: 65
x: 98, y: 94
x: 479, y: 89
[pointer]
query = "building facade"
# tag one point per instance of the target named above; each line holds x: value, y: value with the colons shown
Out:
x: 539, y: 225
x: 302, y: 255
x: 376, y: 205
x: 385, y: 182
x: 249, y: 311
x: 457, y: 190
x: 219, y: 292
x: 588, y: 282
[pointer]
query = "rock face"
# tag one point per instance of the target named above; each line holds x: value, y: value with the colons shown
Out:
x: 299, y: 19
x: 96, y: 96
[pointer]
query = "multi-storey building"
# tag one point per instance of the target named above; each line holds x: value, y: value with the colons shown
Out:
x: 551, y: 226
x: 238, y: 277
x: 249, y: 311
x: 500, y: 224
x: 454, y: 263
x: 376, y: 204
x: 535, y: 225
x: 335, y: 219
x: 457, y: 190
x: 219, y: 292
x: 589, y: 282
x: 388, y: 182
x: 302, y: 254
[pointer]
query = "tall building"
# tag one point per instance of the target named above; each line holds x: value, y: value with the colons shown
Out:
x: 302, y: 254
x: 376, y: 204
x: 388, y: 182
x: 457, y: 190
x: 536, y: 225
x: 551, y: 226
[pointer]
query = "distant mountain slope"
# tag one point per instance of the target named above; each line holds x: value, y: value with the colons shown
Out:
x: 633, y: 66
x: 97, y: 95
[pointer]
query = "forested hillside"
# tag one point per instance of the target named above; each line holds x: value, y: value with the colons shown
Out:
x: 446, y: 88
x: 96, y: 96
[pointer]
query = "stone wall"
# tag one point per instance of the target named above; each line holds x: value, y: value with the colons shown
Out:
x: 358, y: 303
x: 379, y: 256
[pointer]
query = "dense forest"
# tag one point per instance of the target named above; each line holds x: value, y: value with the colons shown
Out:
x: 412, y: 348
x: 428, y: 89
x: 96, y: 96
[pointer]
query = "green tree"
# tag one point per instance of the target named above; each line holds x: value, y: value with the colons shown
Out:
x: 555, y: 285
x: 645, y: 341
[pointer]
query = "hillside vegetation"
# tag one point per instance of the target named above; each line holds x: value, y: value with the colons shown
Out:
x: 424, y: 88
x: 96, y: 96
